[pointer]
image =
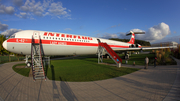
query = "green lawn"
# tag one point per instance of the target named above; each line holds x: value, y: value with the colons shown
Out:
x: 139, y: 59
x: 22, y: 71
x: 85, y: 69
x: 4, y: 59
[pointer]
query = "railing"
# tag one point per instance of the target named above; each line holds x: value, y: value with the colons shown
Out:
x: 32, y: 62
x: 41, y: 57
x: 37, y: 62
x: 115, y: 57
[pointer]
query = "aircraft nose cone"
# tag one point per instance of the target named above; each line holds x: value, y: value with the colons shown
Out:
x: 5, y: 44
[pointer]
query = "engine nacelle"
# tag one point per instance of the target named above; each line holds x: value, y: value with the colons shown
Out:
x: 137, y: 45
x: 134, y: 45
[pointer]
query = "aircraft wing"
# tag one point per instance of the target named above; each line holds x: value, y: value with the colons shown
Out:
x: 142, y: 48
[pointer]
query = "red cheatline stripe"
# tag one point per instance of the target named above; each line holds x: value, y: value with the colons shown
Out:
x: 56, y: 42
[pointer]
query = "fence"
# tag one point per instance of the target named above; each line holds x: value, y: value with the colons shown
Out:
x: 10, y: 58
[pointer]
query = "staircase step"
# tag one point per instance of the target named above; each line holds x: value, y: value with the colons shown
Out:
x: 109, y: 50
x: 38, y: 67
x: 38, y: 70
x: 40, y: 78
x: 41, y: 72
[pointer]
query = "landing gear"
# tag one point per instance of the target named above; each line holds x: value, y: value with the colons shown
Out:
x: 126, y: 55
x: 28, y: 64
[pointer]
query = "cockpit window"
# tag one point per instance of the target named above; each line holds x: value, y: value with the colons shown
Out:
x: 12, y: 36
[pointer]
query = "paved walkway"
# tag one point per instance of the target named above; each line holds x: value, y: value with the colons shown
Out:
x: 152, y: 84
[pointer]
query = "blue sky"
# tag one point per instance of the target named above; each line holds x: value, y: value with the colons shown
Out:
x: 160, y: 19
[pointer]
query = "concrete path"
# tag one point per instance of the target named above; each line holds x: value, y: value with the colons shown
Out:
x: 152, y: 84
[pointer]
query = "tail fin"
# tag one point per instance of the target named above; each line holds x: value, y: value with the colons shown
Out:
x: 132, y: 40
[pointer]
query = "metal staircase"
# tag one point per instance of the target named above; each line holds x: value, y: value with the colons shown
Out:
x: 36, y: 58
x: 105, y: 47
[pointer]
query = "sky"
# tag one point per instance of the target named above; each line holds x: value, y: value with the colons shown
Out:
x: 160, y: 19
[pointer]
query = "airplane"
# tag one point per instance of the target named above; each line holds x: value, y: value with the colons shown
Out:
x: 54, y: 43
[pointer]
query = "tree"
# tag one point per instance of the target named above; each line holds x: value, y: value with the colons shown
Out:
x: 2, y: 50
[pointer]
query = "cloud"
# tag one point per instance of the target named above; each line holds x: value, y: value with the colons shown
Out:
x: 57, y: 9
x: 18, y: 2
x: 3, y: 27
x: 45, y: 8
x: 37, y: 8
x: 154, y: 33
x: 67, y: 29
x: 157, y: 32
x: 6, y: 10
x: 30, y: 8
x: 10, y: 32
x: 108, y: 35
x: 22, y: 15
x: 169, y: 39
x: 115, y: 26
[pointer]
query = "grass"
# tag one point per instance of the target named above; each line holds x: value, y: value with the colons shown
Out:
x: 4, y: 59
x: 86, y: 69
x: 21, y: 71
x: 139, y: 59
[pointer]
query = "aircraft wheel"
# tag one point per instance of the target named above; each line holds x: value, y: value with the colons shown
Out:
x: 28, y: 64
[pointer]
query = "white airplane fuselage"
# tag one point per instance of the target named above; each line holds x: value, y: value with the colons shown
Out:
x: 58, y: 43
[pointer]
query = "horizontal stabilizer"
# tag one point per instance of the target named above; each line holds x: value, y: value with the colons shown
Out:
x: 135, y: 33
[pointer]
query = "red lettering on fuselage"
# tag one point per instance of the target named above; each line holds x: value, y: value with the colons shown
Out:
x: 57, y: 35
x: 62, y: 35
x: 74, y: 36
x: 79, y: 37
x: 51, y: 34
x: 66, y: 36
